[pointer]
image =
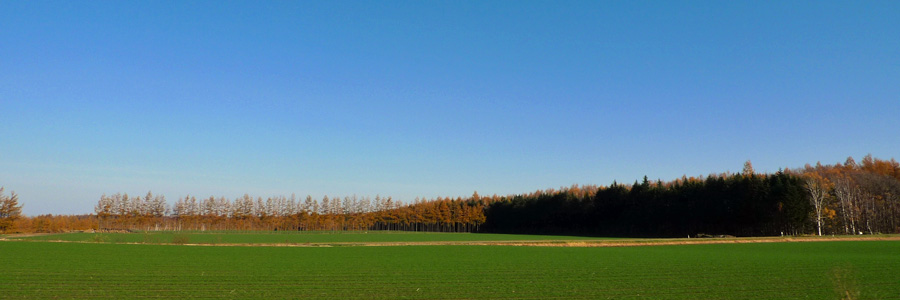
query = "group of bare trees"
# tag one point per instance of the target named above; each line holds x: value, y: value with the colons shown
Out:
x: 151, y: 212
x: 855, y: 198
x: 131, y: 210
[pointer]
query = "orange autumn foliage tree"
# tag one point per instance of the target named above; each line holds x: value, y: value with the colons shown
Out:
x: 10, y: 211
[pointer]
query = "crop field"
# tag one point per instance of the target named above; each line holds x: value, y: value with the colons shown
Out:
x: 270, y: 237
x: 813, y: 270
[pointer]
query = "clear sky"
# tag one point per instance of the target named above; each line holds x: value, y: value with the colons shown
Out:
x: 431, y: 98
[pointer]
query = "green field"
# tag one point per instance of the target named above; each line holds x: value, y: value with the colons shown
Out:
x: 809, y: 270
x: 324, y: 237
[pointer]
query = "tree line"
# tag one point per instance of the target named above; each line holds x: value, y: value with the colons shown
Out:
x: 842, y: 198
x: 151, y: 212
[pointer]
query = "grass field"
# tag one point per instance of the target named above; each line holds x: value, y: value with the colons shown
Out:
x: 819, y: 270
x: 324, y: 237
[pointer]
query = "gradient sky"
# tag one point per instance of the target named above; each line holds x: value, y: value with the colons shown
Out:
x: 431, y: 98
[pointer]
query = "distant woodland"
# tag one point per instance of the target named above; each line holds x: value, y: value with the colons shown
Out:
x: 843, y: 198
x: 846, y: 198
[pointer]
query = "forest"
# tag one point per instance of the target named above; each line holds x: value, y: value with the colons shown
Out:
x: 739, y: 204
x: 841, y: 198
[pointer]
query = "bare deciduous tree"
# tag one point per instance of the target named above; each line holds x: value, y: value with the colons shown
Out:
x: 817, y: 186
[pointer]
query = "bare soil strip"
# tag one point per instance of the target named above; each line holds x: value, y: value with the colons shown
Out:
x: 537, y: 243
x: 18, y: 235
x: 700, y: 241
x: 631, y: 242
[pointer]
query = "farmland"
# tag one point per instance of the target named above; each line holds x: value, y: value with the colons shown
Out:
x: 818, y: 270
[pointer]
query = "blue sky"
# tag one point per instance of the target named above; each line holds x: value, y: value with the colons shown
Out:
x: 431, y: 98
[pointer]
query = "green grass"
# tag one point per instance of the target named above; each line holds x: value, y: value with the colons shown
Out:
x: 811, y: 270
x: 289, y: 238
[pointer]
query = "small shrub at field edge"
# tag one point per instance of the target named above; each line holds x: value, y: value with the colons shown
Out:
x: 99, y: 238
x: 181, y: 238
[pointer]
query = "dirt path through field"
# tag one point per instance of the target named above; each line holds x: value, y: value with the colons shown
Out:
x: 629, y: 242
x: 635, y: 243
x: 532, y: 243
x: 576, y: 243
x: 19, y: 235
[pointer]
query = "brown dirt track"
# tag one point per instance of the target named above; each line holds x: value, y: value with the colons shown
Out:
x: 544, y: 243
x: 632, y: 242
x: 581, y: 243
